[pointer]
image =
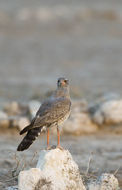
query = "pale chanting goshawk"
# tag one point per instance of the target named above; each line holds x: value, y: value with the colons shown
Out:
x: 53, y: 112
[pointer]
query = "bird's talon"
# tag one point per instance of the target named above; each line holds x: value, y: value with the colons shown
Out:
x: 60, y: 147
x: 48, y: 148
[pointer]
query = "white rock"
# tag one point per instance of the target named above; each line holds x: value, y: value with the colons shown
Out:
x: 56, y: 170
x: 79, y: 123
x: 104, y: 182
x: 113, y: 111
x: 79, y: 106
x: 109, y: 112
x: 34, y: 106
x: 3, y: 115
x: 22, y: 123
x: 12, y: 108
x: 16, y: 109
x: 98, y: 117
x: 4, y: 122
x: 29, y: 179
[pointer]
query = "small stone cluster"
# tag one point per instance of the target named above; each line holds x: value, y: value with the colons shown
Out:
x: 16, y: 115
x: 84, y: 117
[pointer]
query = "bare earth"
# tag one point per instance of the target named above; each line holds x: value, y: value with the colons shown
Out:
x: 105, y: 151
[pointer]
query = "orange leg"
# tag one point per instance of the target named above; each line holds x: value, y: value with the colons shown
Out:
x: 48, y: 134
x: 58, y: 139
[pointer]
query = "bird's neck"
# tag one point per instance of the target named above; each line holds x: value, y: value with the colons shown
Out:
x: 62, y: 92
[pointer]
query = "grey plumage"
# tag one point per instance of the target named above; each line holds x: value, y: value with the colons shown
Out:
x: 52, y: 112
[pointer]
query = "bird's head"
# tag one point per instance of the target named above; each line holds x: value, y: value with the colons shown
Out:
x: 63, y: 82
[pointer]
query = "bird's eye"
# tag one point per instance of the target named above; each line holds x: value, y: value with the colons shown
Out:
x: 66, y: 81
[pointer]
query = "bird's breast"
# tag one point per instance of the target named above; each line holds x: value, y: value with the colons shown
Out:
x: 62, y: 120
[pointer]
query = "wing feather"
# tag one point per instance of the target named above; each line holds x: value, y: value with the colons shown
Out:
x: 52, y: 111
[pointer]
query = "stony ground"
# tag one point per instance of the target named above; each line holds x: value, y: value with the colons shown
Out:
x: 104, y: 151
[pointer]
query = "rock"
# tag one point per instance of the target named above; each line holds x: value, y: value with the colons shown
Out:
x: 21, y: 123
x: 79, y: 106
x: 56, y: 170
x: 17, y: 115
x: 79, y: 121
x: 34, y: 106
x: 3, y: 115
x: 108, y: 113
x: 78, y: 124
x: 94, y: 106
x: 29, y: 179
x: 4, y: 122
x: 98, y: 117
x: 104, y: 182
x: 12, y: 108
x: 16, y: 109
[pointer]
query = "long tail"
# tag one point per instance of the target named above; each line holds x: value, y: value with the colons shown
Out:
x: 25, y: 129
x: 29, y: 138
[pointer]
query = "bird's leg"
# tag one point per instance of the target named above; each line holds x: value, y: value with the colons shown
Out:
x: 58, y: 139
x: 48, y: 134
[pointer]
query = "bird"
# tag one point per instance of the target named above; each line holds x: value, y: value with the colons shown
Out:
x: 53, y: 112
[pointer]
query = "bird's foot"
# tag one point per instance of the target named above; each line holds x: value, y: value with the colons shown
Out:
x: 48, y: 148
x: 60, y: 147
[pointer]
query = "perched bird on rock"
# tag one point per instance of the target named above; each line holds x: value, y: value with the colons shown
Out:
x: 53, y: 112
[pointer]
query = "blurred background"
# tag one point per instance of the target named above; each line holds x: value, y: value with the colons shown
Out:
x: 43, y: 40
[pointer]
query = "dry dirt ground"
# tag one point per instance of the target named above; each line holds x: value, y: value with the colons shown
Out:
x: 103, y: 150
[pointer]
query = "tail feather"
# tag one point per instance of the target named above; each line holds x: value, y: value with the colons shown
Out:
x: 25, y: 129
x: 29, y: 138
